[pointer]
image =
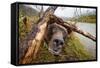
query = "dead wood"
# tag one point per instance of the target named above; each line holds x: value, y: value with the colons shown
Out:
x: 34, y: 40
x: 72, y: 27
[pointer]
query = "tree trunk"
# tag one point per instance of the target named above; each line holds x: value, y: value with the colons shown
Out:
x: 33, y: 42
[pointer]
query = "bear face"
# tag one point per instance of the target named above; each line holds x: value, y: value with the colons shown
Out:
x: 55, y: 38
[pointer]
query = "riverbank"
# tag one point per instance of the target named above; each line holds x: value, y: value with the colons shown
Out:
x: 84, y: 18
x: 89, y: 45
x: 88, y: 18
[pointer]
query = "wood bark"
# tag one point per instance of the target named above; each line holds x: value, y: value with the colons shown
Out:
x: 29, y: 50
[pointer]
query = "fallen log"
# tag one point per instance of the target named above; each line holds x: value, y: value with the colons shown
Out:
x: 31, y: 46
x: 72, y: 27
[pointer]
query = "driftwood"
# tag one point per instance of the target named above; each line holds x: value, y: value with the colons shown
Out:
x: 36, y: 36
x: 72, y: 27
x: 30, y: 52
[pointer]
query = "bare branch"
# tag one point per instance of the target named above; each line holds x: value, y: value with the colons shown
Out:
x: 73, y: 27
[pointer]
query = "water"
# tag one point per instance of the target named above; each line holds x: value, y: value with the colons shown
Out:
x: 89, y: 45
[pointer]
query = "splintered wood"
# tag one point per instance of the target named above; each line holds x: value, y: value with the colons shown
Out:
x: 32, y: 49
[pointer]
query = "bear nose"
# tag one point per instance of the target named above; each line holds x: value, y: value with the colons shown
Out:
x: 59, y: 42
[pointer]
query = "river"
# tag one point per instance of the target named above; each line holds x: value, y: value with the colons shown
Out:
x: 89, y: 45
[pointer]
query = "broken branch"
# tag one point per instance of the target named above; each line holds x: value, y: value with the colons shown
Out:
x: 72, y: 27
